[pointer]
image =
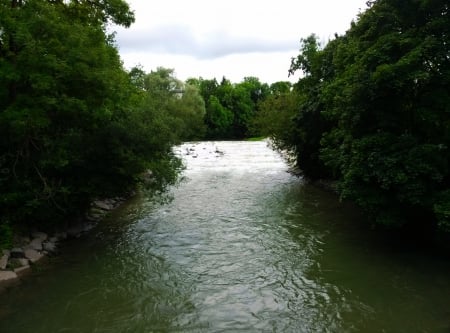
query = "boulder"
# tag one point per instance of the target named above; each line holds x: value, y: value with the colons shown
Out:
x: 25, y: 240
x: 103, y: 204
x: 49, y: 247
x: 61, y: 235
x: 7, y: 275
x: 4, y: 261
x: 41, y: 235
x: 17, y: 253
x: 53, y: 239
x: 88, y: 226
x: 94, y: 217
x: 23, y: 262
x: 21, y: 271
x: 33, y: 255
x: 75, y: 231
x: 36, y: 244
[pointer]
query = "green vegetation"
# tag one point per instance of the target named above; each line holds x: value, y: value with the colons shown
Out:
x: 74, y: 124
x: 6, y: 236
x: 256, y: 138
x: 372, y: 111
x: 231, y: 108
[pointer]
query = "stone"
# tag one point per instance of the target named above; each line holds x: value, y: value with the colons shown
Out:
x: 102, y: 205
x: 41, y: 235
x: 88, y: 226
x: 94, y: 211
x: 53, y: 239
x: 111, y: 202
x: 21, y: 271
x: 75, y: 231
x: 94, y: 218
x: 7, y: 275
x: 61, y: 235
x: 4, y: 261
x: 25, y: 240
x: 33, y: 255
x: 35, y: 244
x: 17, y: 253
x: 23, y: 261
x: 49, y: 247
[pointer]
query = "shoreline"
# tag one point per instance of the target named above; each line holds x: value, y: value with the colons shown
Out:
x: 33, y: 249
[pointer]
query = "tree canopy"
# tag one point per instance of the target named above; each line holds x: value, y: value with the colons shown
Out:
x: 373, y: 112
x: 75, y: 125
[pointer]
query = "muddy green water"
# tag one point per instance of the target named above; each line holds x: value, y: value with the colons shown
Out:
x: 239, y: 245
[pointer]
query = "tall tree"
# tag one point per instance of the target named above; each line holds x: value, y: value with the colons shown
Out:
x: 392, y: 106
x: 69, y: 123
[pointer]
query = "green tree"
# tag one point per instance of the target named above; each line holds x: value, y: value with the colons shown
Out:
x: 280, y: 87
x: 275, y: 118
x: 180, y: 105
x: 373, y: 112
x: 218, y: 119
x: 310, y: 122
x: 191, y: 110
x: 391, y: 103
x: 71, y: 128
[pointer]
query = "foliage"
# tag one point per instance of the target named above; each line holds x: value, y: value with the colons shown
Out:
x: 391, y: 145
x: 72, y: 119
x: 180, y: 105
x: 373, y: 112
x: 275, y: 119
x: 6, y: 236
x: 231, y: 108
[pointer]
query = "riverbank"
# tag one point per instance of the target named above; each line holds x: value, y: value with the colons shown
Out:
x: 34, y: 248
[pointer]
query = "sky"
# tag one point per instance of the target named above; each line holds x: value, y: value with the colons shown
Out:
x: 232, y: 38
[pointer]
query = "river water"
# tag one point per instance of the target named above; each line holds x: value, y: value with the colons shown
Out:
x: 239, y: 245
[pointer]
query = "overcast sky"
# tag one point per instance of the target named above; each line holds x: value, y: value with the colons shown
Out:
x: 232, y: 38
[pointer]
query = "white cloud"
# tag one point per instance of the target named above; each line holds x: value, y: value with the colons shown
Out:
x: 233, y: 38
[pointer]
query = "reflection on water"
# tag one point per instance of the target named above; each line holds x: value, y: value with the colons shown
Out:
x: 241, y: 246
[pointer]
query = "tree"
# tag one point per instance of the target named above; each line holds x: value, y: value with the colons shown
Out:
x: 191, y: 110
x: 71, y: 129
x: 310, y: 122
x: 392, y: 143
x: 373, y: 110
x: 275, y: 118
x: 218, y: 119
x: 180, y: 105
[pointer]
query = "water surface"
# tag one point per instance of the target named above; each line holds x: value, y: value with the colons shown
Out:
x: 239, y: 245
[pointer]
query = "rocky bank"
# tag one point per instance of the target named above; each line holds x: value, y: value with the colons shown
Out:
x: 30, y: 249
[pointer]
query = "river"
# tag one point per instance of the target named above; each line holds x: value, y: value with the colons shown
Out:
x: 238, y: 245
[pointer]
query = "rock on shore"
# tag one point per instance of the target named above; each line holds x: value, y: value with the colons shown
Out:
x: 17, y: 262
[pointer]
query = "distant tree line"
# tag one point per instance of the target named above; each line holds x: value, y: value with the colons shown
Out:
x: 231, y: 108
x: 372, y: 111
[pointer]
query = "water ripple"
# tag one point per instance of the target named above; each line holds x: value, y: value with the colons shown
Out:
x: 241, y: 246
